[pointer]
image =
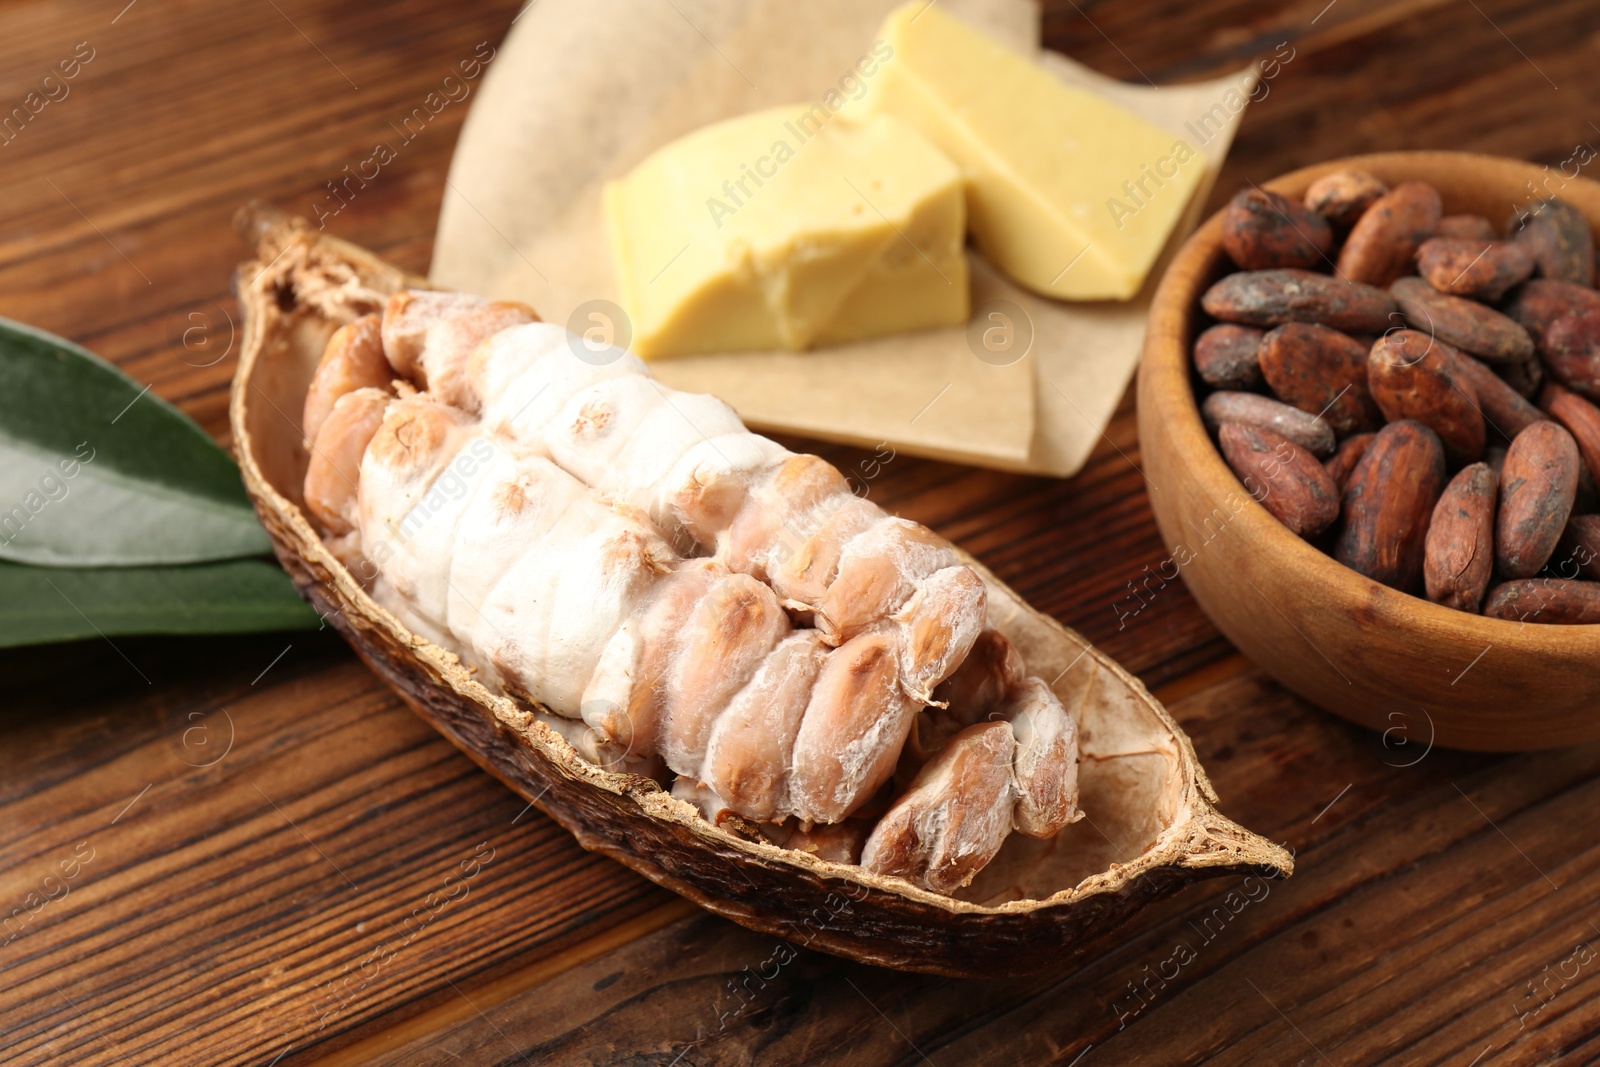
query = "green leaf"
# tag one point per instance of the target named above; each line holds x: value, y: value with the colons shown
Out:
x: 39, y: 605
x: 97, y: 471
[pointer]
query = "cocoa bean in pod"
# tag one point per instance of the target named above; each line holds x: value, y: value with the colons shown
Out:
x: 1506, y: 412
x: 1301, y: 427
x: 1538, y: 302
x: 1344, y: 459
x: 1546, y: 600
x: 1537, y: 487
x: 1578, y: 554
x: 1322, y: 371
x: 1581, y: 418
x: 1463, y: 266
x: 1274, y: 297
x: 1227, y: 356
x: 1414, y: 376
x: 1388, y: 504
x: 1262, y: 230
x: 1458, y: 560
x: 1384, y: 241
x: 1571, y: 351
x: 1558, y: 238
x: 1474, y: 227
x: 1286, y: 479
x: 1466, y: 324
x: 1344, y: 196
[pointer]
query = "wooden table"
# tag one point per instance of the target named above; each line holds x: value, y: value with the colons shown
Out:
x: 251, y: 822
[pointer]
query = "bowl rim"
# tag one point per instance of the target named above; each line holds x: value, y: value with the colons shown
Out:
x: 1166, y: 364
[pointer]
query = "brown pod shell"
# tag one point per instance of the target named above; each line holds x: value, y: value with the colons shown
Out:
x: 1578, y: 554
x: 1580, y: 417
x: 1482, y: 270
x: 1227, y: 356
x: 1472, y: 227
x: 1274, y: 297
x: 1571, y: 351
x: 1414, y: 376
x: 1538, y: 302
x: 1344, y: 196
x: 1388, y: 504
x: 1545, y: 600
x: 1537, y: 488
x: 1262, y: 230
x: 1285, y: 479
x: 1303, y: 428
x: 1558, y: 239
x: 1506, y: 412
x: 1384, y: 241
x: 1466, y: 324
x: 1459, y: 555
x: 1322, y: 371
x: 1344, y: 460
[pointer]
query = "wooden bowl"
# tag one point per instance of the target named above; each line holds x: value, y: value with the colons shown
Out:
x: 1422, y: 673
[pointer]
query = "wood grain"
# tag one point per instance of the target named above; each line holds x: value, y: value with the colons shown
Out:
x: 207, y: 929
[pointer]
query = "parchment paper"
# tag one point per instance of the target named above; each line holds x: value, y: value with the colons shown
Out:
x: 582, y: 91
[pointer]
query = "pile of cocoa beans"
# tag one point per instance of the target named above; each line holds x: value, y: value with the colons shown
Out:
x: 1413, y: 392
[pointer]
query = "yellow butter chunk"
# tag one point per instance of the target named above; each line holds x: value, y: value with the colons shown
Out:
x: 788, y: 228
x: 1069, y: 194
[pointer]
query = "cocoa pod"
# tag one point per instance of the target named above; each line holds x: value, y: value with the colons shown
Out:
x: 1344, y: 196
x: 1545, y: 600
x: 1571, y: 351
x: 1525, y: 376
x: 1344, y: 460
x: 1414, y: 376
x: 1262, y: 230
x: 1505, y: 411
x: 1538, y: 302
x: 1483, y: 270
x: 1384, y: 240
x: 1466, y: 324
x: 1578, y: 554
x: 1388, y: 504
x: 1582, y: 420
x: 1474, y: 227
x: 1458, y: 559
x: 1274, y: 297
x: 1227, y: 357
x: 1283, y: 478
x: 1537, y: 489
x: 1303, y: 428
x: 1558, y: 239
x: 1322, y: 371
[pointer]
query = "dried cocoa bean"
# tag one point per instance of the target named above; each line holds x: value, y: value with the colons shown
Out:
x: 1495, y: 457
x: 1546, y: 600
x: 1558, y: 239
x: 1537, y: 303
x: 1506, y: 412
x: 1459, y: 555
x: 1303, y: 428
x: 1262, y: 230
x: 1578, y: 554
x: 1344, y: 196
x: 1474, y: 227
x: 1344, y: 460
x: 1322, y: 371
x: 1582, y: 420
x: 1466, y: 324
x: 1525, y: 376
x: 1537, y: 489
x: 1571, y: 351
x: 1274, y: 297
x: 1285, y: 479
x: 1414, y: 376
x: 1483, y: 270
x: 1227, y: 357
x: 1388, y: 504
x: 1385, y: 239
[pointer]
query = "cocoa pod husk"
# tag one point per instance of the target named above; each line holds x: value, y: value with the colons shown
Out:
x: 1344, y: 196
x: 1263, y: 231
x: 1322, y: 371
x: 1346, y: 456
x: 1537, y: 488
x: 1538, y: 302
x: 1506, y: 412
x: 1274, y: 297
x: 1388, y: 504
x: 1284, y: 478
x: 1414, y: 376
x: 1303, y: 428
x: 1466, y: 324
x: 1545, y: 600
x: 1571, y: 351
x: 1384, y: 241
x: 1458, y: 559
x: 1472, y: 227
x: 1227, y: 356
x: 1482, y: 270
x: 1558, y: 239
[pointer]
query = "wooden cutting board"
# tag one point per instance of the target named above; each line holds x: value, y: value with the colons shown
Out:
x: 259, y: 835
